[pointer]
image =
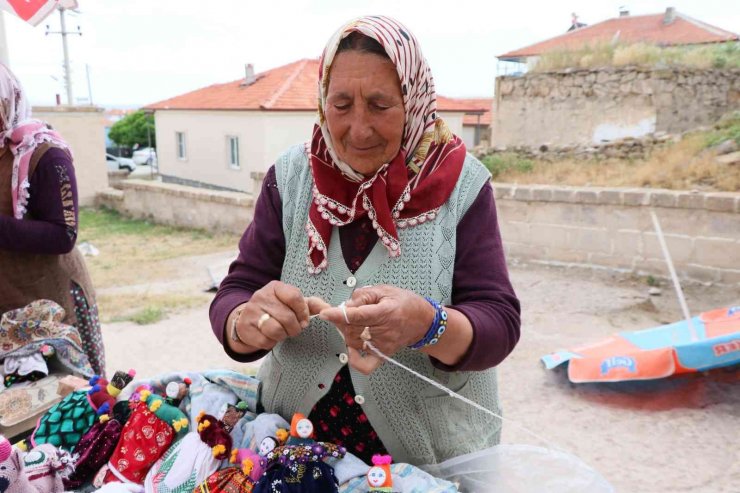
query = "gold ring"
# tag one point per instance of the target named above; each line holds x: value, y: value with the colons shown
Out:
x: 263, y: 318
x: 366, y: 336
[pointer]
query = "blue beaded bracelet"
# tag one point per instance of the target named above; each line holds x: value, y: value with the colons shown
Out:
x: 436, y: 329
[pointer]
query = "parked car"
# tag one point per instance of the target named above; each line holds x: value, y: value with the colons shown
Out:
x: 115, y: 163
x: 145, y: 156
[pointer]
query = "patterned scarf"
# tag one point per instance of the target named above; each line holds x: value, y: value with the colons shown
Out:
x: 411, y: 188
x: 22, y: 135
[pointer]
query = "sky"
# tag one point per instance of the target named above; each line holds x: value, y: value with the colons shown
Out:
x: 139, y: 52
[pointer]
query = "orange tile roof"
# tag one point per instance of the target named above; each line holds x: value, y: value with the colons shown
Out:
x: 632, y: 29
x: 481, y: 105
x: 290, y: 87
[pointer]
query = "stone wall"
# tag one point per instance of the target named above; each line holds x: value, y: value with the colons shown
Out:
x: 82, y: 128
x: 591, y: 106
x: 598, y: 228
x: 611, y: 228
x: 177, y: 205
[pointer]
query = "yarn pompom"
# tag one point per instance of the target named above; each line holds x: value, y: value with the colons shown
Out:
x: 381, y: 460
x: 155, y: 405
x: 282, y: 435
x: 219, y: 451
x: 180, y: 424
x: 247, y: 466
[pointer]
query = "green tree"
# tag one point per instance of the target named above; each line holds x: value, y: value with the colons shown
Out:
x: 132, y: 129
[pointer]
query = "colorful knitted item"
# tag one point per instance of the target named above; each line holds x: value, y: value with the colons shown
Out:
x: 39, y: 470
x: 248, y: 461
x: 186, y: 464
x: 309, y: 477
x: 147, y: 435
x: 229, y: 480
x: 64, y: 424
x: 97, y: 446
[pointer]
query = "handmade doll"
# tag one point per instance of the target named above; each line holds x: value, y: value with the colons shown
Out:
x: 269, y: 443
x: 379, y: 476
x: 97, y: 445
x: 40, y: 470
x: 146, y: 436
x: 301, y: 430
x: 300, y: 468
x: 230, y: 414
x: 232, y: 479
x: 247, y: 460
x: 64, y: 424
x: 192, y: 460
x: 177, y: 391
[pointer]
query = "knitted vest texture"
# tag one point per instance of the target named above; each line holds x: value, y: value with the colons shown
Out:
x: 417, y: 423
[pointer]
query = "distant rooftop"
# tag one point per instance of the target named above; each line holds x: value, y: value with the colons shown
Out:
x: 291, y: 87
x: 668, y: 29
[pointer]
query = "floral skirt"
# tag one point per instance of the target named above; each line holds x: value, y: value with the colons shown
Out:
x: 88, y: 325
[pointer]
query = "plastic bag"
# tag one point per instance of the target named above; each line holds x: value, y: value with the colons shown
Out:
x: 520, y: 469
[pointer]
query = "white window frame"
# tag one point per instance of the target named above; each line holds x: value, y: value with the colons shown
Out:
x: 233, y: 160
x: 181, y: 146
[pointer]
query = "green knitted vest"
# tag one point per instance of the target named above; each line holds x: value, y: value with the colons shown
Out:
x: 417, y: 423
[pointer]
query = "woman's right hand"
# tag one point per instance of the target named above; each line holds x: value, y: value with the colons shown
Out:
x: 288, y: 314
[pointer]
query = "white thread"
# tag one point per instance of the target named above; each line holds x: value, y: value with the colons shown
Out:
x: 454, y: 394
x: 344, y: 311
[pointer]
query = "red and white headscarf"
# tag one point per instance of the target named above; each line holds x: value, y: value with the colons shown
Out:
x: 411, y: 188
x: 21, y: 135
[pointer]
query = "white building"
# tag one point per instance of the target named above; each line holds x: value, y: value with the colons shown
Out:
x: 218, y: 135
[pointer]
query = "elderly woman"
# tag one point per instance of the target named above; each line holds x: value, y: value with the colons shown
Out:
x: 385, y: 210
x: 38, y: 221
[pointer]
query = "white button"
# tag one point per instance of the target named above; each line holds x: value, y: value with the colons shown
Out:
x: 351, y: 281
x: 343, y: 358
x: 359, y: 399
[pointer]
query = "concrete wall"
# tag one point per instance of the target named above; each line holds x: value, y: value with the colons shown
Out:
x: 599, y: 228
x: 612, y: 229
x: 263, y: 136
x: 82, y: 128
x: 588, y: 106
x: 177, y: 205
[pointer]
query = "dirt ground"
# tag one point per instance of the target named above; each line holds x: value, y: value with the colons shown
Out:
x: 673, y: 435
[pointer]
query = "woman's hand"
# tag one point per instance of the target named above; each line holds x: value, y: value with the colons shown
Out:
x: 274, y: 313
x: 394, y: 318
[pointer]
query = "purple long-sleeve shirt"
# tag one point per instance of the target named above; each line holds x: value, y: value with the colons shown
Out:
x: 480, y: 287
x: 50, y: 225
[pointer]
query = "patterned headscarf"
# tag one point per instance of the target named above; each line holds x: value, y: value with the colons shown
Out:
x: 21, y: 135
x: 411, y: 188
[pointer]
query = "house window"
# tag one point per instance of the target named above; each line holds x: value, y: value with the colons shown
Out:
x: 181, y: 148
x: 233, y: 151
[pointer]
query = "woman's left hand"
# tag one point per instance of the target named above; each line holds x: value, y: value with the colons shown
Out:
x: 393, y: 318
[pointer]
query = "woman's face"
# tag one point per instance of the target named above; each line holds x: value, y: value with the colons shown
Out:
x: 364, y: 110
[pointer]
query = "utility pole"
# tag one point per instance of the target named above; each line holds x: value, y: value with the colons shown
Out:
x: 67, y: 70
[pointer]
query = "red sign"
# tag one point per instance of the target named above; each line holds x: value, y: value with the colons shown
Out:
x: 33, y: 11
